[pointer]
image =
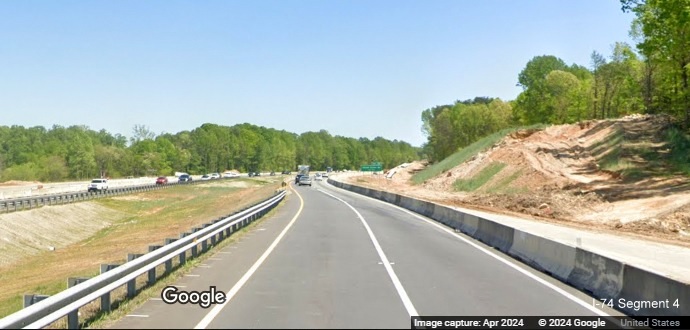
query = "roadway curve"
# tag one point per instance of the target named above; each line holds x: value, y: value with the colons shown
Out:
x: 346, y: 261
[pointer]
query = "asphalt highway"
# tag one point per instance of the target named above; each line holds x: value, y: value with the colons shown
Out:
x: 329, y: 258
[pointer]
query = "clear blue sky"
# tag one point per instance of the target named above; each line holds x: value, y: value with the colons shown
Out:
x: 356, y: 68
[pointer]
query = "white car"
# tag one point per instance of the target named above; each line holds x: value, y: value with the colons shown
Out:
x: 214, y: 175
x: 98, y: 185
x: 230, y: 175
x: 318, y: 177
x: 206, y: 177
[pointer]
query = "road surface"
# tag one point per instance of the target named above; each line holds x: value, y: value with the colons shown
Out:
x: 329, y: 258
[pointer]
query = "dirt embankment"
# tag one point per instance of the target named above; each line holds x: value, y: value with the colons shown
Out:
x: 609, y: 175
x: 30, y: 232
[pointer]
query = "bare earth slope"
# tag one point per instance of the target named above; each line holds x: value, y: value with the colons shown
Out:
x: 605, y: 175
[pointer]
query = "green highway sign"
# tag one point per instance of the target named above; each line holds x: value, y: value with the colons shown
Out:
x: 373, y: 167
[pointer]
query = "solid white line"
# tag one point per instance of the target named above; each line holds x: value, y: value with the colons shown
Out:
x: 192, y: 275
x: 492, y: 254
x: 391, y: 273
x: 217, y: 308
x: 137, y: 315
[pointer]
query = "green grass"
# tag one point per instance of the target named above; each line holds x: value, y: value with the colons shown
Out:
x: 503, y: 186
x: 480, y: 178
x: 615, y: 154
x: 466, y: 153
x: 147, y: 218
x: 679, y: 144
x: 104, y: 320
x: 611, y: 161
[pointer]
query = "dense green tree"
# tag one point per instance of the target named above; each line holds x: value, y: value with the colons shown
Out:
x: 664, y: 28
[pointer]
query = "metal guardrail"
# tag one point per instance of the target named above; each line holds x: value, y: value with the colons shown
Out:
x: 67, y: 302
x: 18, y: 204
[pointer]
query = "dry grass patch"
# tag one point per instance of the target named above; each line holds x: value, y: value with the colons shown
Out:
x: 177, y: 212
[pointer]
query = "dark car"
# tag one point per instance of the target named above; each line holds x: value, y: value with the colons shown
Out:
x: 273, y: 173
x: 161, y: 180
x: 297, y: 177
x: 287, y: 172
x: 185, y: 178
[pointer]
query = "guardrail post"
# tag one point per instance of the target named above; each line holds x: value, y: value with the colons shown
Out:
x: 195, y: 250
x: 30, y: 299
x: 221, y: 234
x: 73, y: 316
x: 168, y: 263
x: 132, y: 285
x: 105, y: 299
x: 204, y: 243
x: 152, y: 271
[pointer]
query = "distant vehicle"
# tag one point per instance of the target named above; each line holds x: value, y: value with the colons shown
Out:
x: 98, y: 185
x: 205, y: 177
x: 214, y: 175
x: 298, y: 177
x: 325, y: 174
x: 161, y: 180
x: 318, y: 177
x: 185, y: 178
x: 287, y: 172
x: 230, y: 175
x: 273, y: 173
x: 304, y: 180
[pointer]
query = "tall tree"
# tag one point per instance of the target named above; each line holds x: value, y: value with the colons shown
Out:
x: 665, y: 27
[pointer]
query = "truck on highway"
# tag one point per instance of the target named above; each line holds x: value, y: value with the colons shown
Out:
x: 303, y: 169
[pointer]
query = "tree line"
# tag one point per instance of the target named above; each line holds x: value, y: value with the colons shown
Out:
x: 77, y: 152
x: 653, y: 78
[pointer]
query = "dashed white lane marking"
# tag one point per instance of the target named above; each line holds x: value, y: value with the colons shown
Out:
x: 490, y: 253
x: 411, y: 310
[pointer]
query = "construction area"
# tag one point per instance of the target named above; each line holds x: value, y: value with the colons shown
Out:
x: 612, y: 176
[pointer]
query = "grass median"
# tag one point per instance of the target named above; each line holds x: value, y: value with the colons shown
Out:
x: 146, y: 219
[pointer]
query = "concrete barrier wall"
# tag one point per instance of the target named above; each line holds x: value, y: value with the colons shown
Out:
x: 554, y: 258
x: 597, y: 275
x: 495, y: 235
x: 639, y: 285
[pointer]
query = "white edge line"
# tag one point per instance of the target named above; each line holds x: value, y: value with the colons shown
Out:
x: 492, y: 254
x: 230, y: 294
x: 411, y: 310
x: 137, y: 315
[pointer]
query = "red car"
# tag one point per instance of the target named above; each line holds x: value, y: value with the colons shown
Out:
x: 162, y: 180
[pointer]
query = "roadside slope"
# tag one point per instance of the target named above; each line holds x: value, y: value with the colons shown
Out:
x: 613, y: 175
